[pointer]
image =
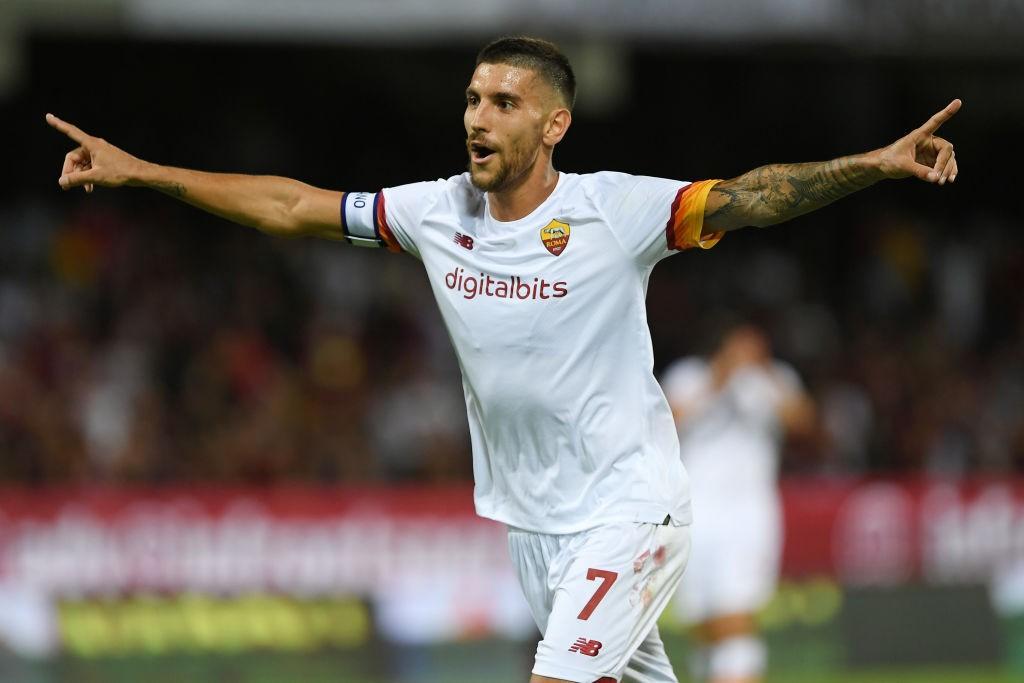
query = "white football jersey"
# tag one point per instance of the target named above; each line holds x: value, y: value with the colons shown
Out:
x: 732, y: 438
x: 569, y: 427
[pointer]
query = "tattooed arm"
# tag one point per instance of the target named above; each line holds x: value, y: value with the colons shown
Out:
x: 275, y: 205
x: 778, y: 192
x: 773, y: 194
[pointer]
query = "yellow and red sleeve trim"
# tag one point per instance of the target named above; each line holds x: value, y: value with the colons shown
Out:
x: 686, y: 220
x: 383, y: 230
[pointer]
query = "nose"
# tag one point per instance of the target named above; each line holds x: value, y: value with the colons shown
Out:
x: 478, y: 119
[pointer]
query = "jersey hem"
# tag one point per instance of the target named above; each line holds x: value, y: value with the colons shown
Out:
x: 681, y: 516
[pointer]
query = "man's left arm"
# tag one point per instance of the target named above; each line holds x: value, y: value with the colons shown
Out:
x: 778, y: 192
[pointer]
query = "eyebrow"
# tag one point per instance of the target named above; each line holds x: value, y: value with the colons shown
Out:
x: 500, y: 95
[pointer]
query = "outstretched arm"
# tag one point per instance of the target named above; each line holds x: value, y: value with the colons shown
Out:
x: 275, y: 205
x: 778, y: 192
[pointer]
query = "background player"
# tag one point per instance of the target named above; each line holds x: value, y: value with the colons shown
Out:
x: 733, y: 410
x: 535, y: 273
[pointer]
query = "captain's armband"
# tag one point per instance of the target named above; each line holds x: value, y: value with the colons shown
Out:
x: 360, y: 220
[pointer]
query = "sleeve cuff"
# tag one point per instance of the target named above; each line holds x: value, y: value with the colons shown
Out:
x: 686, y: 221
x: 386, y: 236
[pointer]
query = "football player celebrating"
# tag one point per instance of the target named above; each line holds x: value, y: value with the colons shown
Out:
x: 540, y: 277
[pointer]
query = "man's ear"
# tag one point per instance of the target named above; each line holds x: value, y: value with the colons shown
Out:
x: 558, y: 124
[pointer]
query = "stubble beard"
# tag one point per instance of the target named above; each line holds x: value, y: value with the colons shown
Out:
x: 505, y: 177
x: 494, y: 184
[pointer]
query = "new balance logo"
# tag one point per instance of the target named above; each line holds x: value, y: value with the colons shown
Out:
x: 464, y: 241
x: 586, y: 647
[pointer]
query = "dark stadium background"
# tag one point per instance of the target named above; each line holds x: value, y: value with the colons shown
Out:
x: 258, y: 363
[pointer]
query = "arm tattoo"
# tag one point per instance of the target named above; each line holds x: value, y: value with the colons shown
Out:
x: 773, y: 194
x: 173, y: 189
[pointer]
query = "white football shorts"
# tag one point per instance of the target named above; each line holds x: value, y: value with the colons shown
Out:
x: 734, y: 565
x: 596, y: 596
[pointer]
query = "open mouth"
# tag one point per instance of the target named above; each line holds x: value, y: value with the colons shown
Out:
x: 480, y: 154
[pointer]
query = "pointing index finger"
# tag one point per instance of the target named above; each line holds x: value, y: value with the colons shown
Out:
x: 939, y: 118
x: 72, y: 131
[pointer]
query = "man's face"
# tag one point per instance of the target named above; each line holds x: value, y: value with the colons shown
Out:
x: 746, y: 345
x: 506, y: 110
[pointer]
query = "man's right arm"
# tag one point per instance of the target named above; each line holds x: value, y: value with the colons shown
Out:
x: 275, y: 205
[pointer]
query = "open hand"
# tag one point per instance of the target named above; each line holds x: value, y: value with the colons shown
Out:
x: 921, y: 153
x: 94, y: 162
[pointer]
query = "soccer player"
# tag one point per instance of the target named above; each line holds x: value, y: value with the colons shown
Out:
x: 540, y: 277
x: 732, y: 411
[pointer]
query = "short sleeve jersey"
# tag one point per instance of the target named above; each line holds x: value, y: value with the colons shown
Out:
x: 732, y: 437
x: 569, y: 427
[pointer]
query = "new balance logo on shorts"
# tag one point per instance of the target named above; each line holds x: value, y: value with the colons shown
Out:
x: 586, y: 647
x: 463, y: 241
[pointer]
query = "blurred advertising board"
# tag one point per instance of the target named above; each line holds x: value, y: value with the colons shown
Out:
x: 886, y: 532
x: 100, y: 571
x: 103, y: 571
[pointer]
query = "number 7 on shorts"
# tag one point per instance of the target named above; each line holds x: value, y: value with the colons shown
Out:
x: 607, y: 579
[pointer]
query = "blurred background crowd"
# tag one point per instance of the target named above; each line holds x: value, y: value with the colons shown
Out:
x: 156, y: 347
x: 137, y: 350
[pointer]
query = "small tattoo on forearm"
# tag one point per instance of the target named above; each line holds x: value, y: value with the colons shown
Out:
x: 173, y: 189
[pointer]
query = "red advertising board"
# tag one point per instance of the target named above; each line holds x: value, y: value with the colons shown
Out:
x: 430, y: 568
x: 863, y: 531
x: 883, y: 531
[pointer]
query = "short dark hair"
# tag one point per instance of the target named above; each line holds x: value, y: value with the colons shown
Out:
x: 542, y: 56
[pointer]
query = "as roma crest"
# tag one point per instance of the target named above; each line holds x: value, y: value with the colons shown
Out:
x: 555, y: 235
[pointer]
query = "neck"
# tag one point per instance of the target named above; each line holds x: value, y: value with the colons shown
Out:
x: 519, y: 201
